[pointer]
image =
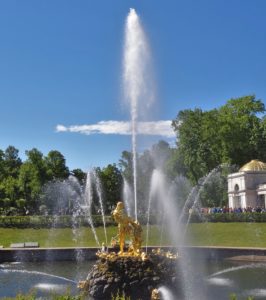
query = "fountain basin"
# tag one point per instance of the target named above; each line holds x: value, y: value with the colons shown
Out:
x: 218, y: 278
x: 89, y: 253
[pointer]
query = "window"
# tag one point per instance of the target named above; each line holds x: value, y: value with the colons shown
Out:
x: 236, y: 188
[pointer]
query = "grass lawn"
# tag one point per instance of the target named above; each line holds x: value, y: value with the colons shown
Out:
x: 64, y: 237
x: 203, y: 234
x: 228, y: 234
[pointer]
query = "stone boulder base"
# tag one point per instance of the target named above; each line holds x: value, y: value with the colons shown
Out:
x: 131, y: 276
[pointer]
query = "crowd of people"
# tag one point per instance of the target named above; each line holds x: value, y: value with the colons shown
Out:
x: 225, y: 209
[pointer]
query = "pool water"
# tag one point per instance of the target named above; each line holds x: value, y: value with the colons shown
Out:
x: 212, y: 280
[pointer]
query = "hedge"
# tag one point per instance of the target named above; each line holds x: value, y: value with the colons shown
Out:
x: 67, y: 221
x: 228, y: 217
x: 51, y: 221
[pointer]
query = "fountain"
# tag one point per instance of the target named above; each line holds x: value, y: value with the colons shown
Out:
x: 130, y: 272
x: 127, y: 268
x: 137, y: 78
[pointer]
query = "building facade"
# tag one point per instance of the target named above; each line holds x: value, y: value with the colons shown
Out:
x: 247, y: 188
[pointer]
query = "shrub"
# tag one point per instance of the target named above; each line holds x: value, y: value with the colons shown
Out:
x: 227, y: 217
x: 64, y: 221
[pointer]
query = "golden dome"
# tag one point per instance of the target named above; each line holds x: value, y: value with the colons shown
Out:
x: 254, y: 165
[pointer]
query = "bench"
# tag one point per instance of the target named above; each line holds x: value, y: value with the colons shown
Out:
x: 25, y: 245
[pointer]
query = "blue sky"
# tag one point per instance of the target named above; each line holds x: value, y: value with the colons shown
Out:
x: 61, y: 63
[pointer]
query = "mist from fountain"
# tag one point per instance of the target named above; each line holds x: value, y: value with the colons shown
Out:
x: 87, y: 207
x: 76, y: 212
x: 165, y: 293
x: 162, y: 199
x: 99, y: 192
x: 37, y: 273
x: 69, y: 196
x: 196, y: 205
x: 65, y: 196
x: 193, y: 202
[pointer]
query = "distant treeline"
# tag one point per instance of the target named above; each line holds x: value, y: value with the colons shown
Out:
x: 233, y: 134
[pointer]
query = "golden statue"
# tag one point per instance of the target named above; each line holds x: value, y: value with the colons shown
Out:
x: 155, y: 295
x: 127, y: 227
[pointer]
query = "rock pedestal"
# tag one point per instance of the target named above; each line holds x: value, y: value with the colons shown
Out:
x: 132, y: 276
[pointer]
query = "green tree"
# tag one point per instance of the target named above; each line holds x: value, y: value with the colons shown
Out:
x: 36, y: 159
x: 240, y: 130
x: 10, y: 188
x: 231, y: 134
x: 159, y: 156
x: 32, y: 176
x: 188, y: 126
x: 126, y: 165
x: 2, y: 165
x: 29, y: 184
x: 79, y: 174
x: 9, y: 168
x: 56, y: 165
x: 175, y: 166
x: 12, y: 162
x: 111, y: 180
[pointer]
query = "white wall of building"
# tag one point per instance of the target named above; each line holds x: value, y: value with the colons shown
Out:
x: 243, y: 188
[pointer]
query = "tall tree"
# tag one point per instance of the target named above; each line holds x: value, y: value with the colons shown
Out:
x: 111, y: 180
x: 79, y: 174
x: 29, y: 183
x: 12, y: 162
x: 56, y: 165
x: 231, y: 134
x: 2, y: 165
x: 126, y: 165
x: 240, y: 130
x: 36, y: 159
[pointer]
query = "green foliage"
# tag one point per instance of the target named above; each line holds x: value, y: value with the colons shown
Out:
x: 50, y: 221
x: 56, y: 165
x: 111, y: 180
x: 32, y: 296
x: 24, y: 180
x: 229, y: 218
x: 162, y: 157
x: 234, y: 297
x: 79, y: 174
x: 118, y: 296
x: 126, y: 165
x: 214, y: 191
x: 12, y: 162
x: 234, y: 134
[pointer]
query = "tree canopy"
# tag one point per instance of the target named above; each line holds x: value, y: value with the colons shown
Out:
x: 233, y: 134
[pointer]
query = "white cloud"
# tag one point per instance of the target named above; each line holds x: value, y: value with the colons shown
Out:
x: 161, y: 128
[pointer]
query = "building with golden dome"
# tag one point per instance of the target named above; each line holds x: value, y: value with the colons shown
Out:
x: 247, y: 187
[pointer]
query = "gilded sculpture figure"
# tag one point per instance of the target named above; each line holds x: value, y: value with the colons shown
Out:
x: 127, y: 227
x: 155, y: 295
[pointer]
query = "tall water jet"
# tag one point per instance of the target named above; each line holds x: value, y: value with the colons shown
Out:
x: 136, y: 80
x: 127, y: 196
